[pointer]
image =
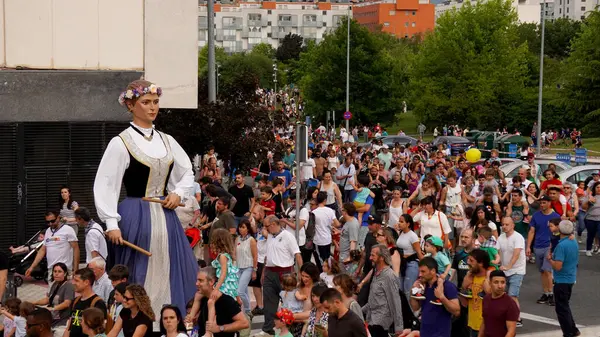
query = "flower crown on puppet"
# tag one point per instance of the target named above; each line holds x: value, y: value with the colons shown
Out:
x: 138, y: 92
x: 286, y: 316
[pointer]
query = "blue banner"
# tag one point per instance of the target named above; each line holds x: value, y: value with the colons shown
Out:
x: 581, y: 156
x: 564, y: 157
x: 512, y: 150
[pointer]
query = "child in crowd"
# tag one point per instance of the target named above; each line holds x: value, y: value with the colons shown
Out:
x: 266, y: 202
x: 12, y: 307
x: 330, y: 270
x: 362, y: 193
x: 487, y: 243
x: 291, y: 298
x: 351, y: 266
x: 283, y: 321
x: 227, y: 274
x: 115, y: 309
x: 433, y: 248
x: 554, y: 233
x: 19, y: 320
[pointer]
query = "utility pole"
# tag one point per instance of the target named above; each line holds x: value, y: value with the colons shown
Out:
x: 348, y: 70
x: 217, y: 79
x: 212, y: 88
x: 275, y: 96
x: 539, y: 122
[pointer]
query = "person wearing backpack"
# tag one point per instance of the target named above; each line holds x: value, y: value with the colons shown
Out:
x: 95, y: 241
x: 83, y: 279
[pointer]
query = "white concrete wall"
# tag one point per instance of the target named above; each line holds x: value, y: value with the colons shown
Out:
x: 155, y: 36
x: 171, y: 50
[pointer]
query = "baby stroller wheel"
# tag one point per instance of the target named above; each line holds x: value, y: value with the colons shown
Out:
x: 18, y: 281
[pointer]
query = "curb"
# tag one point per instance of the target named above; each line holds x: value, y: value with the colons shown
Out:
x: 591, y: 331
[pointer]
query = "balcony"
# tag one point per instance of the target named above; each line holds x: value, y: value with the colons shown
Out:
x: 257, y: 23
x: 293, y: 22
x: 280, y: 35
x: 309, y: 23
x: 202, y: 22
x: 237, y: 25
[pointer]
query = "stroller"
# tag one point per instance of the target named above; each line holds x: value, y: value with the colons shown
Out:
x: 20, y: 262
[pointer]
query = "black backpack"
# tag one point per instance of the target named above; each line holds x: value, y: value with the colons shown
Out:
x: 310, y: 232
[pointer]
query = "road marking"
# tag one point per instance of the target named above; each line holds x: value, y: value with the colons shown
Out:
x: 543, y: 319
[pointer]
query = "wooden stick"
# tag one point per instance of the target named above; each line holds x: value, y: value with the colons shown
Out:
x: 158, y: 201
x: 136, y: 248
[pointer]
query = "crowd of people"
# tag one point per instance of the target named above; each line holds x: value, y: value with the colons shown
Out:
x: 388, y: 241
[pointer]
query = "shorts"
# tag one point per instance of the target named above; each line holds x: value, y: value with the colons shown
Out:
x: 513, y: 285
x: 256, y: 282
x: 540, y: 259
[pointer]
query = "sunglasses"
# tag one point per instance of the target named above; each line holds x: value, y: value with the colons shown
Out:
x: 128, y: 298
x: 50, y: 221
x: 379, y: 234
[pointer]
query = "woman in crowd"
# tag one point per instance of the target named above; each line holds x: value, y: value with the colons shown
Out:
x: 60, y: 296
x: 171, y: 322
x: 410, y: 249
x: 482, y: 218
x: 92, y: 323
x: 397, y: 206
x: 334, y: 196
x: 347, y: 287
x: 67, y: 207
x: 309, y: 276
x: 137, y: 316
x: 120, y: 290
x: 413, y: 177
x: 432, y: 222
x: 246, y: 255
x: 317, y: 318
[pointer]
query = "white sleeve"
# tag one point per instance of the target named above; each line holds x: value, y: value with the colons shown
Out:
x: 107, y: 185
x: 181, y: 180
x: 445, y: 224
x: 417, y: 217
x: 94, y: 238
x: 71, y: 236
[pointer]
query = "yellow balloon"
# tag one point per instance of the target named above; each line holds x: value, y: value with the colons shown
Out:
x: 473, y: 155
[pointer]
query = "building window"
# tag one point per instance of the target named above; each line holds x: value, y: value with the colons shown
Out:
x: 285, y: 18
x: 406, y: 24
x: 583, y: 8
x: 269, y: 12
x: 406, y: 12
x: 414, y: 13
x: 567, y: 10
x: 414, y: 24
x: 310, y: 18
x: 560, y: 11
x: 254, y: 17
x: 386, y: 24
x: 392, y: 12
x: 583, y: 17
x: 560, y: 2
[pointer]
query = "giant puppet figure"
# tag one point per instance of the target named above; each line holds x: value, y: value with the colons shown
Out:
x: 148, y: 163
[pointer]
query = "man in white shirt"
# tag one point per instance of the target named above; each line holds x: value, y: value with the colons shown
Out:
x: 325, y: 217
x: 102, y: 285
x: 282, y: 252
x: 399, y: 168
x: 511, y: 246
x: 95, y: 242
x: 60, y: 245
x: 345, y: 175
x: 308, y: 169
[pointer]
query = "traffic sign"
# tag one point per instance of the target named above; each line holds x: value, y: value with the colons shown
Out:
x: 347, y: 115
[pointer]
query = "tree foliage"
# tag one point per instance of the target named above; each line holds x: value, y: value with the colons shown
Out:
x: 264, y: 49
x: 471, y: 70
x: 377, y: 76
x: 237, y: 125
x: 580, y: 89
x: 289, y: 48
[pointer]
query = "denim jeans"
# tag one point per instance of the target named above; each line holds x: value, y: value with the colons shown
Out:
x: 244, y: 275
x: 580, y: 222
x: 592, y: 230
x: 410, y: 276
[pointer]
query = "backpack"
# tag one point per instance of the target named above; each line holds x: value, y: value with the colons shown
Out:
x: 109, y: 321
x: 310, y: 232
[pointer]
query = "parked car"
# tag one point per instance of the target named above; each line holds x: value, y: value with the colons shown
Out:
x: 392, y: 140
x: 512, y: 169
x: 454, y: 142
x: 579, y: 173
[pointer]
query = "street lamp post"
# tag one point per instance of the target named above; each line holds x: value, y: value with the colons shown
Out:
x: 274, y: 96
x: 539, y: 122
x: 212, y: 92
x: 348, y: 71
x: 217, y: 80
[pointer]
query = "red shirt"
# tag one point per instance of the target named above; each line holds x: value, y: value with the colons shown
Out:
x: 545, y: 183
x: 496, y: 311
x: 270, y: 204
x: 557, y: 206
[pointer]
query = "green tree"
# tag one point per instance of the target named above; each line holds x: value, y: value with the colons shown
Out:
x: 289, y: 48
x: 581, y: 79
x: 558, y: 36
x: 264, y: 49
x: 260, y: 66
x: 471, y: 70
x: 220, y: 56
x: 376, y: 77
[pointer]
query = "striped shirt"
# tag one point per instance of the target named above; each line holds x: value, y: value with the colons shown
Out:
x: 102, y: 287
x: 243, y: 253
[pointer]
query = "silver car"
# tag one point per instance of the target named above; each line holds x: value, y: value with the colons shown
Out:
x: 512, y: 169
x: 579, y: 173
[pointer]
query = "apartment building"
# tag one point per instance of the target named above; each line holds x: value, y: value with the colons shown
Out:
x: 239, y: 26
x: 574, y: 9
x: 527, y: 10
x: 401, y: 18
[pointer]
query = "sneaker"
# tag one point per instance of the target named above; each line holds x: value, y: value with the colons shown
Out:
x: 543, y: 299
x: 417, y: 293
x: 481, y: 294
x: 520, y: 323
x: 532, y: 259
x: 596, y: 249
x: 588, y: 253
x: 257, y: 311
x: 436, y: 302
x: 580, y: 241
x: 551, y: 300
x: 577, y: 333
x: 467, y: 293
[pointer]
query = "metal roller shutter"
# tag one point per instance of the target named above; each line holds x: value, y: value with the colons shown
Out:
x: 9, y: 196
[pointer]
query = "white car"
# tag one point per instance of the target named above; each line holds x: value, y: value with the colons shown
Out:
x: 579, y: 173
x: 512, y: 169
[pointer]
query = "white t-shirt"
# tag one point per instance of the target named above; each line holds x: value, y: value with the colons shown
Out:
x: 304, y: 215
x: 58, y: 246
x: 95, y: 241
x: 307, y: 169
x: 344, y: 170
x: 21, y: 324
x: 432, y: 225
x: 282, y: 250
x: 507, y: 245
x: 405, y: 242
x: 323, y: 219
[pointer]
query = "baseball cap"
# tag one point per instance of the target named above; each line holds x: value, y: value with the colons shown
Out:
x: 385, y: 146
x: 545, y: 198
x: 375, y: 218
x: 436, y: 241
x: 530, y: 155
x: 594, y: 173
